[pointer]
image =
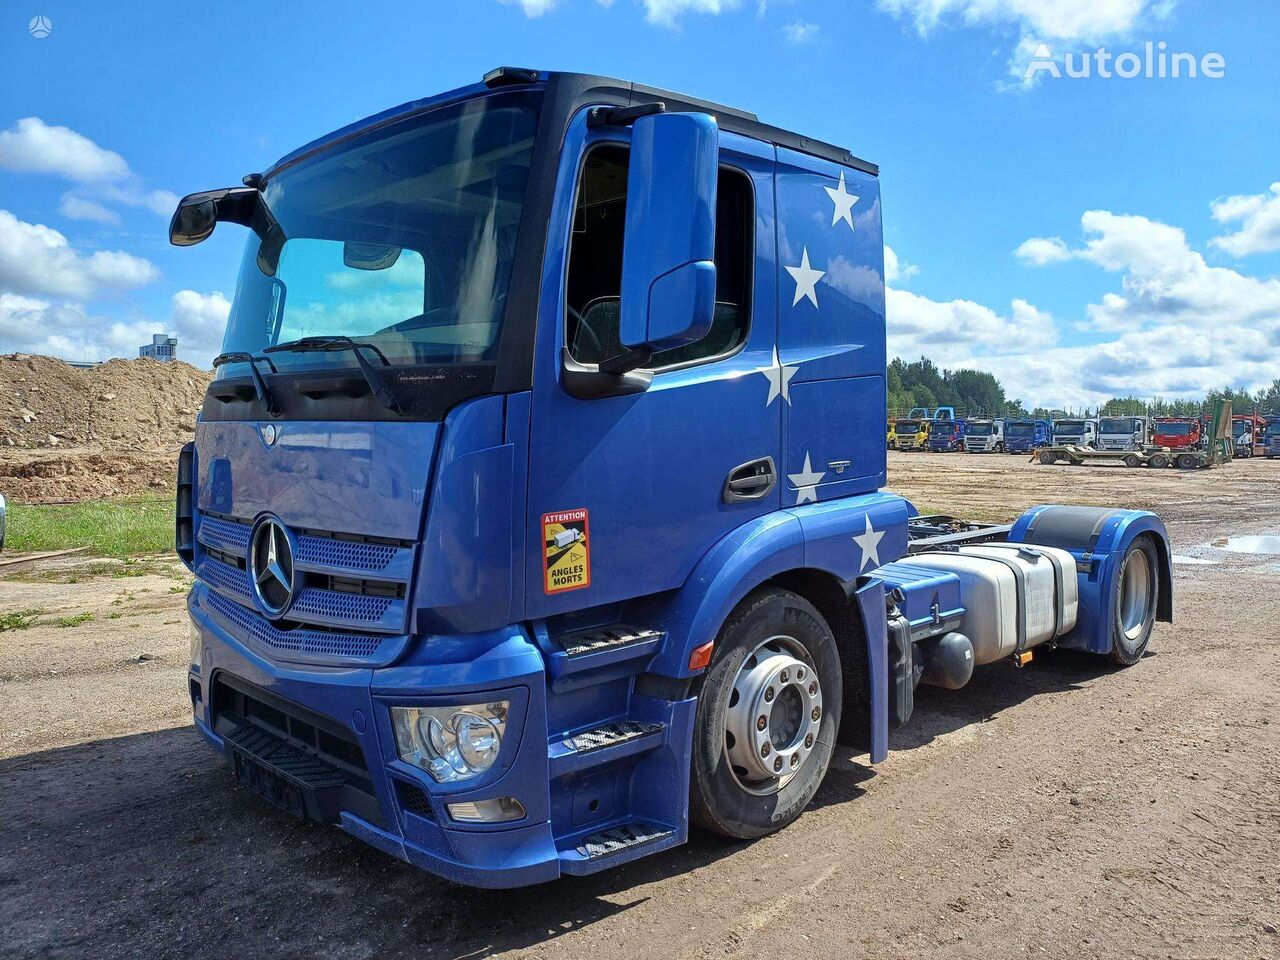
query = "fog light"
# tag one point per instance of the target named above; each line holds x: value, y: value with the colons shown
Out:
x: 451, y: 743
x: 196, y: 643
x: 498, y: 810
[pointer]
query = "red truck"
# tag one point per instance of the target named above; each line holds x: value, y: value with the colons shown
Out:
x: 1177, y: 433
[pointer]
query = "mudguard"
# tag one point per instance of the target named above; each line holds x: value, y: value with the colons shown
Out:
x: 1098, y: 538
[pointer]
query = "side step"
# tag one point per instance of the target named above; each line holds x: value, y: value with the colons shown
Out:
x: 614, y: 845
x: 588, y: 657
x: 604, y: 744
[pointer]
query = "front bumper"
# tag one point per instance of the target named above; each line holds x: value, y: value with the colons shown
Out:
x: 388, y: 803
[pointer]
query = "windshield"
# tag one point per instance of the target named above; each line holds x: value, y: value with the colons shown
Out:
x: 1240, y: 427
x: 1118, y: 425
x: 1273, y: 428
x: 908, y: 426
x: 1020, y: 429
x: 403, y: 238
x: 979, y: 429
x: 1069, y: 426
x: 1173, y: 429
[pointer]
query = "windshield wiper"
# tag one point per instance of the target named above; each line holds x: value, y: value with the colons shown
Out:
x: 377, y: 386
x: 259, y: 385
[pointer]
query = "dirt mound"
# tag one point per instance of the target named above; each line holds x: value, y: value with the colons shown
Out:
x: 120, y: 405
x: 49, y: 476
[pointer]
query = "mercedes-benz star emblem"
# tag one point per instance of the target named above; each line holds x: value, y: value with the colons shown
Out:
x: 271, y: 565
x: 269, y: 434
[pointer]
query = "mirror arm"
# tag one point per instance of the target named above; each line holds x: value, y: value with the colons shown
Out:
x: 588, y: 381
x: 623, y: 116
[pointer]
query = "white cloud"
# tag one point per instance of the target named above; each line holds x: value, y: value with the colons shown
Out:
x: 895, y: 269
x: 32, y: 146
x: 1259, y: 218
x: 81, y: 208
x: 67, y: 330
x: 532, y: 8
x: 1039, y: 251
x: 801, y: 33
x: 163, y: 202
x: 667, y: 12
x: 35, y: 259
x: 919, y: 325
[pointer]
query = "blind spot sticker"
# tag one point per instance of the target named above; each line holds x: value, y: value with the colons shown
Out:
x: 566, y: 539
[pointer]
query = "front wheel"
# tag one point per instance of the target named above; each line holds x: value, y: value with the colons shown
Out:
x: 767, y: 717
x: 1134, y: 602
x: 999, y: 448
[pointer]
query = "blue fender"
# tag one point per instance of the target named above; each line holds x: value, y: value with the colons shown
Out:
x: 1098, y: 538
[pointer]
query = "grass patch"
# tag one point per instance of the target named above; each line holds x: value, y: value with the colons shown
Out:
x: 74, y: 620
x: 18, y: 620
x: 109, y: 528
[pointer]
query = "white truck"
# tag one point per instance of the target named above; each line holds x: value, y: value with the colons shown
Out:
x: 1076, y: 433
x: 1122, y: 433
x: 984, y: 436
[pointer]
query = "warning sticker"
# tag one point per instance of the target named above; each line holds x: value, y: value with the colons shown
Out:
x: 566, y: 539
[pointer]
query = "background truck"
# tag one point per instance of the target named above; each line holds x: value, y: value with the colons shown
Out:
x: 912, y: 434
x: 1247, y: 431
x: 546, y: 303
x: 1075, y: 433
x: 1177, y: 433
x: 891, y: 435
x: 1023, y: 436
x: 984, y: 436
x: 1271, y: 438
x: 1122, y: 433
x: 946, y: 436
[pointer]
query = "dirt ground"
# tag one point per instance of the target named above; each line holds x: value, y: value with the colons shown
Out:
x: 1067, y: 809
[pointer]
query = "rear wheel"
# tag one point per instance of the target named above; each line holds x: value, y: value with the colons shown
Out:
x: 1187, y: 461
x: 1048, y: 458
x: 1159, y: 461
x: 1133, y: 460
x: 1134, y: 602
x: 767, y: 717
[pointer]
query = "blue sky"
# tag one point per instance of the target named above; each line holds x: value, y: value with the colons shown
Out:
x: 1078, y: 237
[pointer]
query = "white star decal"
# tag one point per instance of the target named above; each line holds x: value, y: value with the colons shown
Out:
x: 844, y: 202
x: 806, y: 279
x: 869, y: 544
x: 779, y: 378
x: 806, y: 482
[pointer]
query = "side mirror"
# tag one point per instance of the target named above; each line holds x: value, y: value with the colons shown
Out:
x: 668, y: 257
x: 199, y: 213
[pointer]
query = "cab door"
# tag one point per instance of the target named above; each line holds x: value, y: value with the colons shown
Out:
x: 626, y: 493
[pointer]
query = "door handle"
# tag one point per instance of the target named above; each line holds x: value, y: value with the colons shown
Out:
x: 750, y: 481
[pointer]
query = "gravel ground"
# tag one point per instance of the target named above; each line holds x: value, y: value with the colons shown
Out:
x: 1064, y: 810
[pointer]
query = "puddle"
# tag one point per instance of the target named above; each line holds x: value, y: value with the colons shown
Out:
x: 1191, y: 560
x: 1264, y: 544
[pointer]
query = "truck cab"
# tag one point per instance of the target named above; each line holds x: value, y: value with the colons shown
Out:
x: 946, y: 435
x: 1247, y: 431
x: 1177, y: 433
x: 1023, y: 436
x: 537, y: 509
x: 984, y: 436
x: 1076, y: 433
x: 1122, y: 433
x: 891, y: 435
x: 1271, y: 438
x: 911, y: 434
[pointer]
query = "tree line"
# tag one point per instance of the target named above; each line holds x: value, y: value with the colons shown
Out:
x: 975, y: 393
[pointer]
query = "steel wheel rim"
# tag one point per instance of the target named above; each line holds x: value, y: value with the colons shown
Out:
x: 1135, y: 594
x: 775, y: 711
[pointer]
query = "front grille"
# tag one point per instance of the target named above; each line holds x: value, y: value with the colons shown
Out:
x: 312, y: 643
x: 414, y: 800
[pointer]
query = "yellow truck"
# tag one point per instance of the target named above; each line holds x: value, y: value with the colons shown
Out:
x: 910, y: 434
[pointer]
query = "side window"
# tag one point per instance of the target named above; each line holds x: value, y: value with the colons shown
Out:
x: 595, y: 264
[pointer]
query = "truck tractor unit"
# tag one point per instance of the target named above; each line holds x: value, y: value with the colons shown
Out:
x: 912, y: 434
x: 984, y: 436
x: 536, y: 509
x: 1024, y: 436
x: 1122, y: 433
x: 1178, y: 433
x: 1247, y: 431
x: 1270, y: 442
x: 891, y: 435
x: 946, y: 436
x: 1075, y: 433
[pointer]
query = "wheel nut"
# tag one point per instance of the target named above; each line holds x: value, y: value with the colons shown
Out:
x: 785, y: 676
x: 764, y: 749
x: 817, y: 712
x: 769, y: 695
x: 795, y: 760
x: 808, y: 741
x: 777, y: 764
x: 799, y: 673
x: 813, y: 688
x: 762, y: 723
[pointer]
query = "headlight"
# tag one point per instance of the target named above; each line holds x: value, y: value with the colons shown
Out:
x: 451, y: 743
x: 196, y: 644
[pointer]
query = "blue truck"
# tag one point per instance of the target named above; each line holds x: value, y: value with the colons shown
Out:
x: 536, y: 509
x: 1271, y: 438
x: 1023, y: 436
x: 947, y: 435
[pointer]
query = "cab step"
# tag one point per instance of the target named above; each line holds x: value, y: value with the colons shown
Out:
x: 587, y: 657
x: 613, y: 845
x: 603, y: 744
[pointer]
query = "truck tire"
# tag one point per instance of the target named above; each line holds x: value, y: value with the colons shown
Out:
x: 1159, y: 461
x: 1186, y: 461
x: 1134, y: 602
x: 1133, y: 460
x: 767, y: 717
x: 999, y: 448
x: 1048, y: 458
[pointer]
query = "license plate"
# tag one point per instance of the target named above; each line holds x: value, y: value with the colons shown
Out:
x: 269, y: 785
